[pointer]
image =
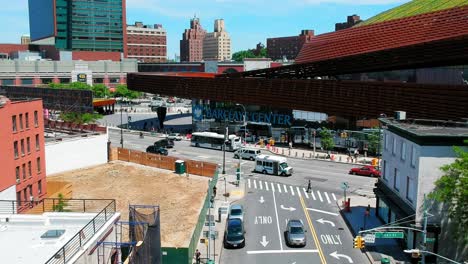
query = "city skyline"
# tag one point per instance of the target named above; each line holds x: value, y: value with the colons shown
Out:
x: 246, y: 24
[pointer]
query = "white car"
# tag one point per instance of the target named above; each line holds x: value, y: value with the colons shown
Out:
x: 174, y: 136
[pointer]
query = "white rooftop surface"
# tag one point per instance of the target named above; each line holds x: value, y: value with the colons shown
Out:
x: 20, y: 238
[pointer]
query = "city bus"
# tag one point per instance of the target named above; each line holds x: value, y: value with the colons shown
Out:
x: 215, y: 141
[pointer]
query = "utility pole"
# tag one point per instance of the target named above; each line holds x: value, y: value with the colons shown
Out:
x: 121, y: 129
x: 209, y: 220
x: 224, y: 148
x: 423, y: 257
x: 315, y: 131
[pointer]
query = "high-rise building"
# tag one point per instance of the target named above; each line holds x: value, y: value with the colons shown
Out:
x: 25, y: 40
x: 146, y: 43
x: 23, y: 154
x: 217, y: 44
x: 191, y: 45
x: 350, y: 22
x: 287, y: 47
x: 93, y: 25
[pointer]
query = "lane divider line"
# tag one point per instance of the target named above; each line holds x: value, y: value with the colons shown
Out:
x: 277, y: 221
x: 312, y: 229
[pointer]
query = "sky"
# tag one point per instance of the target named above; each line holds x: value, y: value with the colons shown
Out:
x: 247, y: 21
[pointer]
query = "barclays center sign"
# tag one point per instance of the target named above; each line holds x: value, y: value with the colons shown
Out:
x: 234, y: 115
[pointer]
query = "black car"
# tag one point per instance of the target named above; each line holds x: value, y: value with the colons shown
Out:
x: 234, y: 234
x: 164, y: 143
x: 157, y: 150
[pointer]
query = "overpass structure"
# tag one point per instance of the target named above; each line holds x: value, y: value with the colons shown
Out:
x: 329, y: 74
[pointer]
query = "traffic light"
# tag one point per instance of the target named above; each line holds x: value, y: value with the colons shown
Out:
x: 359, y: 242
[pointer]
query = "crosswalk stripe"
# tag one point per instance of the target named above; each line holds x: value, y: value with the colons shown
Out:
x: 266, y: 186
x: 285, y: 189
x: 298, y: 192
x: 255, y: 184
x: 249, y: 183
x: 279, y: 187
x: 313, y: 195
x: 273, y: 187
x: 292, y: 191
x: 305, y: 192
x: 334, y: 197
x: 328, y: 198
x: 320, y: 196
x: 261, y: 185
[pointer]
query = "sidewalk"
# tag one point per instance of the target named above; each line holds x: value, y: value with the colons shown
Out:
x: 235, y: 193
x: 356, y: 219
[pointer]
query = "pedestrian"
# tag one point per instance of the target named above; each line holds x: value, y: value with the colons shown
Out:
x: 309, y: 187
x: 214, y: 190
x: 197, y: 256
x: 290, y: 144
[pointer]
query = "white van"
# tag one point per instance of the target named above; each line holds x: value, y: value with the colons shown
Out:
x: 247, y: 153
x: 272, y: 165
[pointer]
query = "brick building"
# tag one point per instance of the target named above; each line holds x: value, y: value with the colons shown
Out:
x: 23, y: 153
x: 350, y: 22
x: 191, y: 45
x: 147, y: 43
x: 287, y: 47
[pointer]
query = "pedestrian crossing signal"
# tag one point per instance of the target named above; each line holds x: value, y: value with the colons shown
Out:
x: 359, y: 242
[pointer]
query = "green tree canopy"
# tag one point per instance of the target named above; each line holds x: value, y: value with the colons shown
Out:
x: 79, y: 118
x: 250, y: 53
x: 326, y: 140
x: 122, y: 91
x: 452, y: 190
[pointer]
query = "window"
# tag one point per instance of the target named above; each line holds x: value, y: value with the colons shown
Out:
x: 37, y: 141
x: 409, y: 189
x: 396, y: 180
x: 18, y: 198
x: 394, y: 146
x: 386, y: 141
x: 25, y: 195
x: 39, y: 187
x: 24, y: 171
x: 13, y: 121
x: 385, y: 170
x: 29, y: 169
x: 18, y: 174
x: 38, y: 160
x: 15, y: 147
x: 413, y: 156
x: 22, y: 147
x: 21, y: 121
x: 36, y: 120
x: 28, y: 145
x: 26, y: 117
x: 403, y: 150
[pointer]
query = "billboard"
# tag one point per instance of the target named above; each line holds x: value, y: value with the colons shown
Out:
x: 41, y: 19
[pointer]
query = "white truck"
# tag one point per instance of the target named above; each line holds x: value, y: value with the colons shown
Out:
x: 274, y: 165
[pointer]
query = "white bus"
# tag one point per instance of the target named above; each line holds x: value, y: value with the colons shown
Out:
x: 272, y: 165
x: 215, y: 141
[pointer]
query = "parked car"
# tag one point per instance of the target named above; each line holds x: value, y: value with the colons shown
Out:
x: 236, y: 211
x: 157, y: 150
x: 234, y: 236
x: 365, y: 171
x: 247, y: 153
x: 295, y: 233
x: 174, y: 136
x: 165, y: 143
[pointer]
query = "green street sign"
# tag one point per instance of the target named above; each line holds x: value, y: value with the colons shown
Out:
x: 389, y: 235
x: 430, y: 240
x: 344, y: 185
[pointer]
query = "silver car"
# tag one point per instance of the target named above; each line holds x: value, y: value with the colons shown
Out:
x: 236, y: 212
x: 295, y: 233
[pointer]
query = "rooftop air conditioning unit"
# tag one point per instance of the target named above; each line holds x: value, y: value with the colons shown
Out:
x: 400, y: 115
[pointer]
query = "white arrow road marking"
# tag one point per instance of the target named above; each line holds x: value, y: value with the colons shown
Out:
x: 325, y: 221
x: 328, y: 198
x: 292, y: 191
x: 313, y: 195
x: 261, y: 185
x: 285, y: 189
x: 261, y: 199
x: 255, y: 184
x: 319, y: 195
x: 298, y: 192
x: 334, y: 197
x: 273, y: 187
x: 264, y: 242
x: 320, y: 211
x: 305, y: 192
x: 248, y: 181
x: 279, y: 187
x: 266, y: 186
x: 288, y: 208
x: 338, y: 256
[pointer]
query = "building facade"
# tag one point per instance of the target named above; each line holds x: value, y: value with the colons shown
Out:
x: 217, y: 44
x: 23, y: 153
x: 25, y: 40
x: 147, y: 43
x: 413, y: 152
x: 191, y: 45
x: 79, y: 25
x: 350, y: 22
x: 288, y: 47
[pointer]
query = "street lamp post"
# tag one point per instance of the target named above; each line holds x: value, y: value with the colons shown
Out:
x: 245, y: 131
x: 121, y: 129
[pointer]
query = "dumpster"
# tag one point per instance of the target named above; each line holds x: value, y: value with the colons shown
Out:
x: 180, y: 166
x: 385, y: 261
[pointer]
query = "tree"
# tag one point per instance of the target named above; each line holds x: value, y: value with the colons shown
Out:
x: 373, y: 139
x: 241, y: 55
x: 122, y: 91
x: 61, y: 204
x: 79, y: 118
x: 326, y: 139
x: 452, y: 190
x: 100, y: 91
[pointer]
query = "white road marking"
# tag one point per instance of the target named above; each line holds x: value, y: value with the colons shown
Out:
x: 334, y: 197
x: 273, y: 187
x: 279, y: 187
x: 292, y: 190
x: 277, y: 221
x: 282, y: 251
x: 249, y: 183
x: 328, y: 198
x: 320, y: 211
x: 255, y: 184
x: 313, y: 195
x: 298, y: 192
x: 261, y: 185
x: 285, y: 189
x: 266, y: 186
x: 319, y: 195
x: 305, y: 192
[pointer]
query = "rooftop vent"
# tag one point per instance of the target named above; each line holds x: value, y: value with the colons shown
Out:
x: 400, y: 115
x: 54, y: 233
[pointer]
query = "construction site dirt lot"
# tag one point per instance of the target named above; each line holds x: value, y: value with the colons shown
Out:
x: 180, y: 198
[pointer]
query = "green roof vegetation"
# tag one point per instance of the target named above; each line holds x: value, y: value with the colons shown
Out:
x: 412, y: 8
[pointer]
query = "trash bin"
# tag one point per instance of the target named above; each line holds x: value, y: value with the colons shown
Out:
x: 385, y: 261
x: 180, y: 166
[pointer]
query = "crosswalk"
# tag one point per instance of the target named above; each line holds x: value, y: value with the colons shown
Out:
x: 315, y: 195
